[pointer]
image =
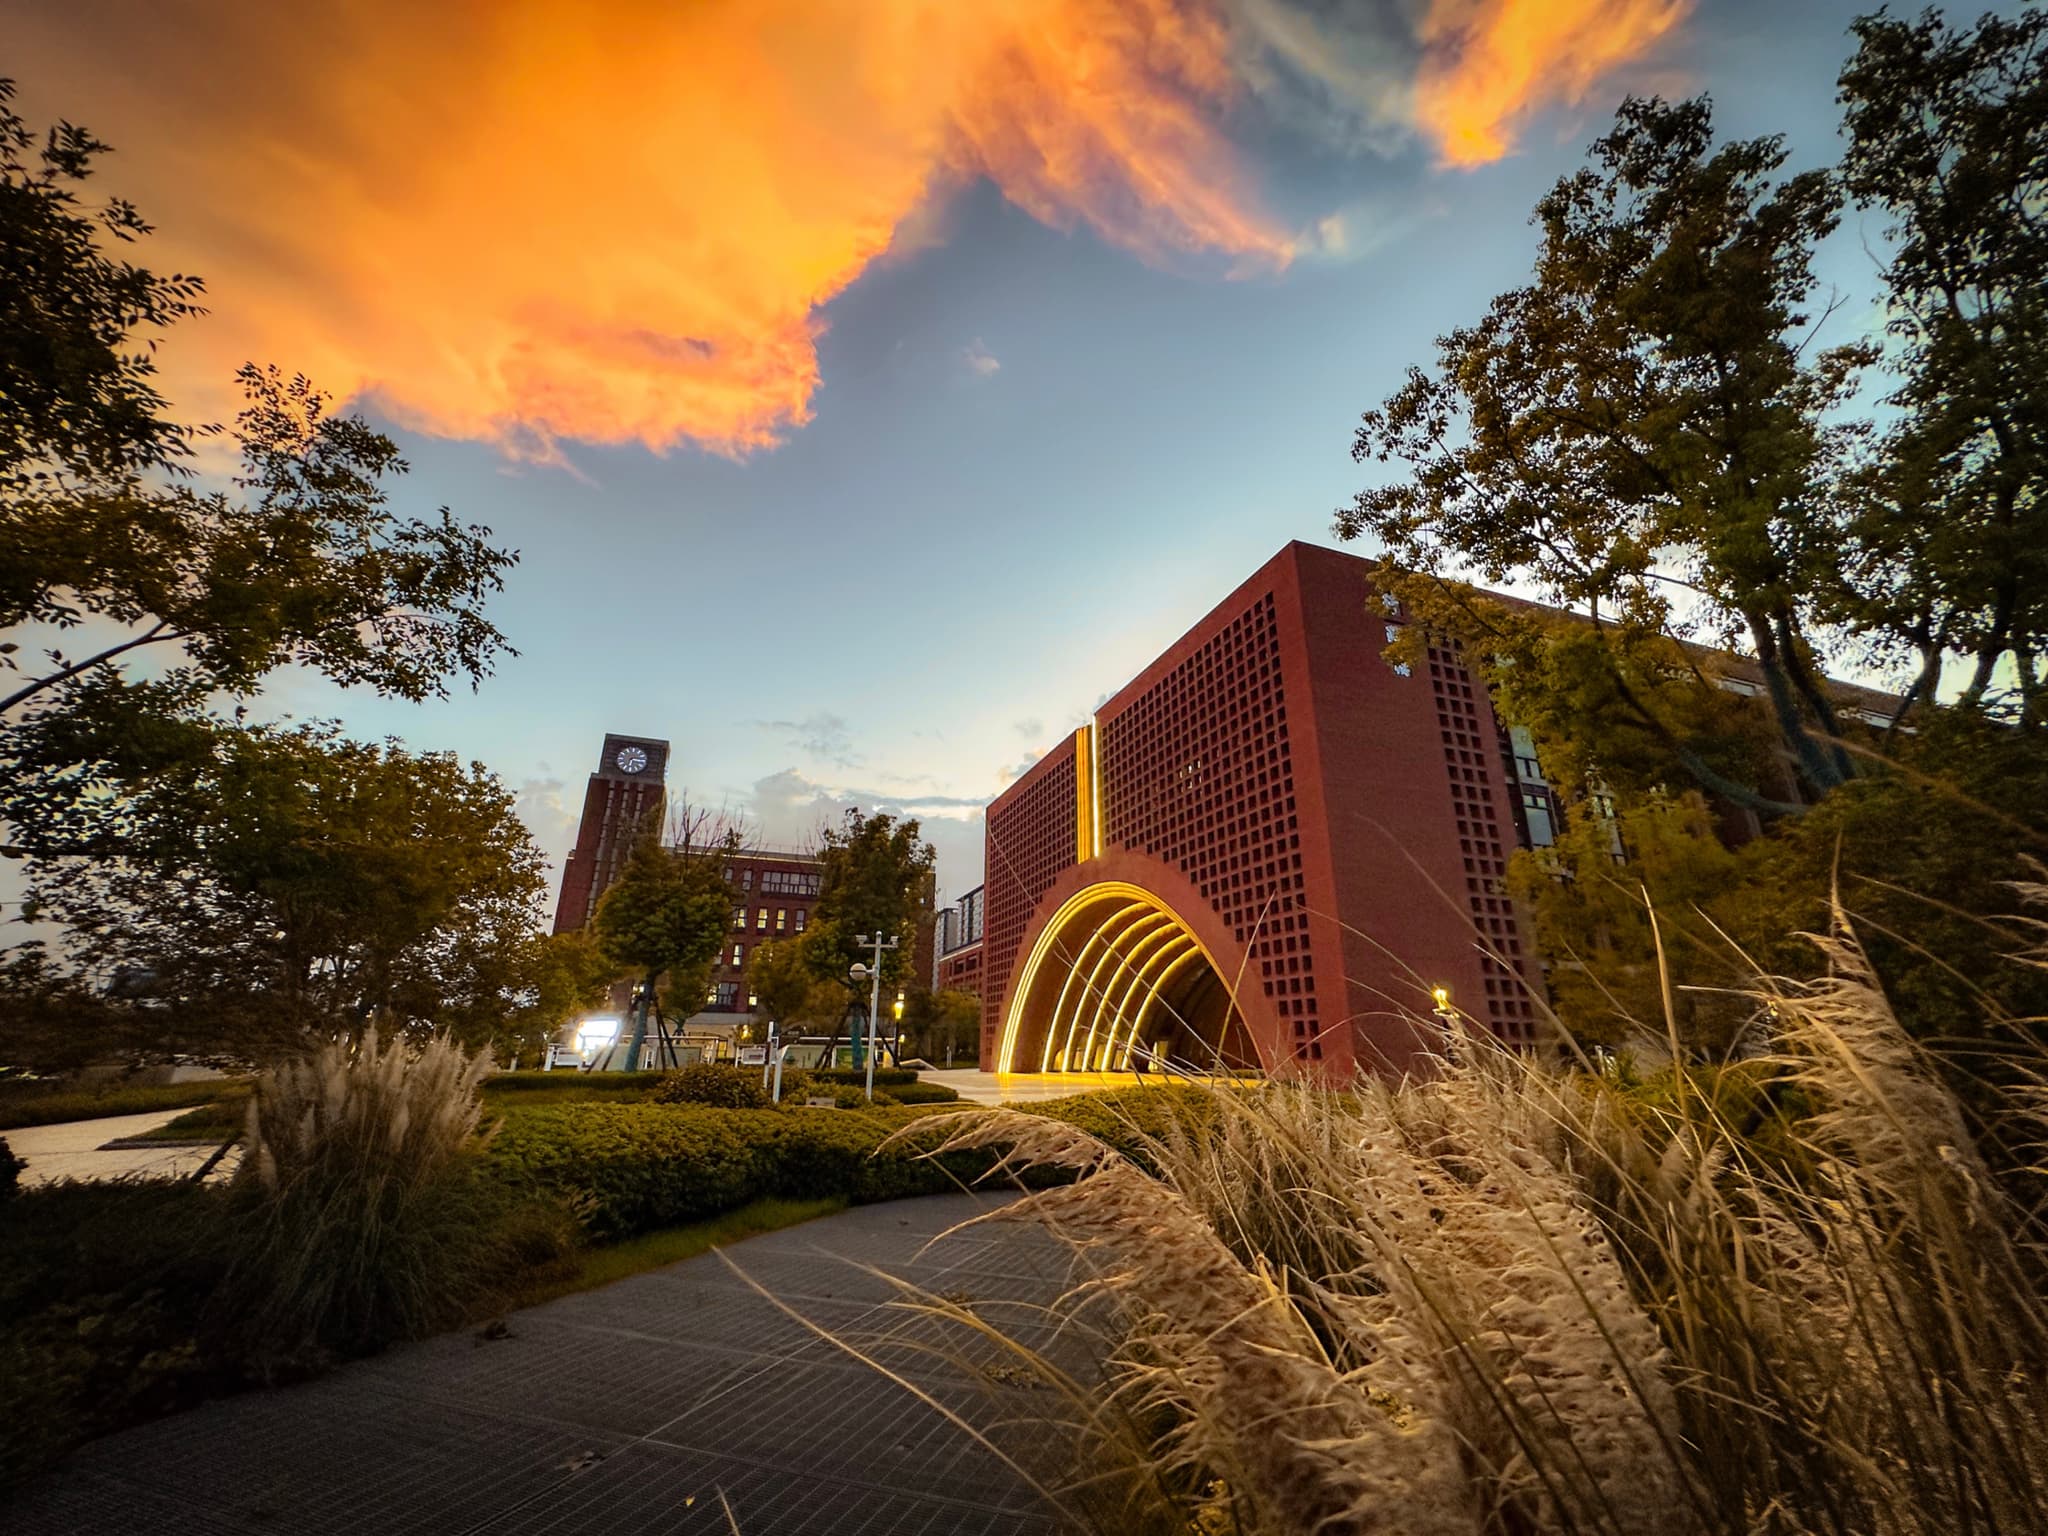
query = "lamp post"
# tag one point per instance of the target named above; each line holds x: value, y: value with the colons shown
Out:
x: 1448, y: 1017
x: 873, y: 976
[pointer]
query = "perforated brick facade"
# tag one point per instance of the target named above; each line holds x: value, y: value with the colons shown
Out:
x: 1331, y: 828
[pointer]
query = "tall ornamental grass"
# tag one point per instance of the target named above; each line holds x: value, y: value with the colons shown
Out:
x: 359, y: 1218
x: 1507, y: 1298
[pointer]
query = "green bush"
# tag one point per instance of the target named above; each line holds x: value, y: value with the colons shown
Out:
x: 563, y: 1079
x: 885, y: 1077
x: 10, y: 1169
x: 632, y: 1168
x: 923, y: 1093
x: 712, y: 1083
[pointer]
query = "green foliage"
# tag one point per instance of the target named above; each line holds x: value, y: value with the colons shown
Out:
x: 923, y: 1093
x: 34, y: 1101
x: 1642, y: 403
x: 885, y: 1077
x: 523, y: 1087
x: 100, y: 1305
x: 1947, y: 543
x: 292, y: 882
x: 77, y: 380
x: 10, y: 1169
x: 667, y: 913
x: 1924, y: 851
x: 712, y: 1083
x: 877, y: 879
x: 633, y: 1168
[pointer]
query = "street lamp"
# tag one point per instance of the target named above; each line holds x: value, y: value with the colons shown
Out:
x: 1448, y: 1017
x: 873, y: 976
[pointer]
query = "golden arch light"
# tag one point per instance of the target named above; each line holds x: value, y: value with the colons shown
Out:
x: 1113, y: 956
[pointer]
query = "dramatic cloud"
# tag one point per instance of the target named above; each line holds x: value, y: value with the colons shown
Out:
x: 531, y: 222
x: 1489, y: 64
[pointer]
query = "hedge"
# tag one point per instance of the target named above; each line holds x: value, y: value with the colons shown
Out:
x: 633, y: 1168
x: 565, y: 1077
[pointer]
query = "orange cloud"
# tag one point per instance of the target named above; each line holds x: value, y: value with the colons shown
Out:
x: 532, y: 221
x: 1490, y: 64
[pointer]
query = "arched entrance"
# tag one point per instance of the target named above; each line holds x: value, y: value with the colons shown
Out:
x: 1116, y: 967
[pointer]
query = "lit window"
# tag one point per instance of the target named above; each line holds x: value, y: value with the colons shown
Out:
x: 800, y: 914
x: 739, y: 955
x: 753, y: 1000
x: 761, y: 919
x: 739, y: 917
x: 782, y: 919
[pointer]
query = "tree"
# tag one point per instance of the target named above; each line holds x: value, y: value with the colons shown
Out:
x: 666, y: 916
x: 301, y: 562
x: 1641, y: 417
x: 290, y: 883
x: 1948, y: 537
x: 877, y: 879
x: 566, y: 975
x: 942, y: 1024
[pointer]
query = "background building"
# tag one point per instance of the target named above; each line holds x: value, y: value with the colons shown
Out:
x: 1269, y: 849
x: 956, y: 945
x: 773, y: 893
x: 625, y: 796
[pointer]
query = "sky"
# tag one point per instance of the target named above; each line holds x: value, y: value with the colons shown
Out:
x: 871, y: 387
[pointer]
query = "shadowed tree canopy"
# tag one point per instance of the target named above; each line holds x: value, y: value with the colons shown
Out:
x: 667, y: 913
x: 290, y: 883
x: 1948, y: 540
x: 1642, y: 416
x: 113, y: 553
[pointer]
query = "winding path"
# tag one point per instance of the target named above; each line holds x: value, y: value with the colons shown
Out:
x: 648, y: 1406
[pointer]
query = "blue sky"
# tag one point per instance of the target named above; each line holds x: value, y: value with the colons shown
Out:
x: 1034, y: 459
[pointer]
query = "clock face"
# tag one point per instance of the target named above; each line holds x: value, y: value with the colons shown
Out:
x: 631, y: 759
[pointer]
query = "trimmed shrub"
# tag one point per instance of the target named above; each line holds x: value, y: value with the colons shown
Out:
x: 10, y: 1169
x: 712, y: 1083
x: 923, y: 1093
x: 633, y: 1168
x: 885, y: 1077
x: 564, y: 1079
x: 26, y: 1102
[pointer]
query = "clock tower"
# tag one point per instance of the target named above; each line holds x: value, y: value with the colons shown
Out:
x: 625, y: 797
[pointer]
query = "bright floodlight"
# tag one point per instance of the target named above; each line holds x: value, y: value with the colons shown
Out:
x: 594, y: 1034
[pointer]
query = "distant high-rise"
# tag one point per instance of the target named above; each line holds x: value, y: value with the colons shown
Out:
x: 626, y: 796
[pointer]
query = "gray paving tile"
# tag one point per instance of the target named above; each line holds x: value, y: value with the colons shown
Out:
x: 850, y: 1423
x: 327, y: 1457
x: 548, y: 1371
x: 627, y: 1408
x: 656, y: 1490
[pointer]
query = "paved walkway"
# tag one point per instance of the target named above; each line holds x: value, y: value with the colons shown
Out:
x: 77, y: 1149
x: 637, y: 1408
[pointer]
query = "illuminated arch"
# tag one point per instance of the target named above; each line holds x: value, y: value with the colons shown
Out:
x: 1114, y: 967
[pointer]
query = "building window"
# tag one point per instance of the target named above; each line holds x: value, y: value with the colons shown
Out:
x: 746, y: 879
x: 761, y: 919
x: 789, y: 882
x: 739, y: 956
x: 739, y: 917
x: 1536, y: 809
x: 725, y: 997
x: 801, y: 913
x: 782, y: 919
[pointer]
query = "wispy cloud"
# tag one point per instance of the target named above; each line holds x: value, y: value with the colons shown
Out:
x: 980, y: 360
x: 823, y: 737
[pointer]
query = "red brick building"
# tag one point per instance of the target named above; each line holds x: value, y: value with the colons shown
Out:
x: 1271, y: 847
x: 625, y: 797
x: 773, y: 893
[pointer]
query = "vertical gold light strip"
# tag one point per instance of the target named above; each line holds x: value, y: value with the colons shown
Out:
x: 1084, y: 794
x: 1095, y: 787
